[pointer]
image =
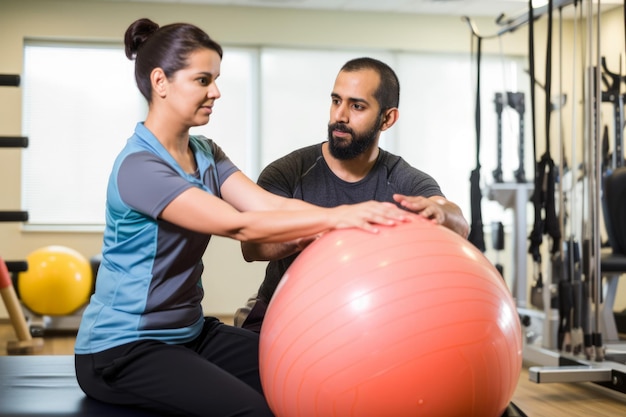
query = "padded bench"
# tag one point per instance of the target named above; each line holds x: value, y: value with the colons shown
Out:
x: 40, y: 385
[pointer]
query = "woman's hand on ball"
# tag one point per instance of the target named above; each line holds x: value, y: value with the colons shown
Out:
x: 366, y: 215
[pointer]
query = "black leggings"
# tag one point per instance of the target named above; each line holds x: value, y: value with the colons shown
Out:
x: 215, y: 375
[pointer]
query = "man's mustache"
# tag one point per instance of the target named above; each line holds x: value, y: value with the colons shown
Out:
x: 341, y: 128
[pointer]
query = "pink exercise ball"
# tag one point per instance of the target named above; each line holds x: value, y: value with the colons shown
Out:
x: 411, y: 321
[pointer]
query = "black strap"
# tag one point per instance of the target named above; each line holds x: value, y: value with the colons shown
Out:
x: 545, y: 170
x: 536, y: 233
x: 477, y: 117
x: 553, y: 228
x: 476, y: 235
x: 548, y: 84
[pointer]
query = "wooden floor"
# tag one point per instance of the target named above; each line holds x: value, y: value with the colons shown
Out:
x: 535, y: 400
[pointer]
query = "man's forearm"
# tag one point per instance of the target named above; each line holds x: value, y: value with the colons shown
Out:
x: 267, y: 251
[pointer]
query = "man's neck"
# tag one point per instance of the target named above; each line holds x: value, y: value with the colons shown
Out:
x: 351, y: 170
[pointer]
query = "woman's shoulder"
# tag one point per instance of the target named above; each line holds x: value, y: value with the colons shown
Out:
x: 204, y: 144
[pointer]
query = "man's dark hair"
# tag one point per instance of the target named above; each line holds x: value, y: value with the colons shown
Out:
x: 388, y: 92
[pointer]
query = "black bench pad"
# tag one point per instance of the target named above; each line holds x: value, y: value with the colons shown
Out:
x: 39, y: 385
x: 43, y: 385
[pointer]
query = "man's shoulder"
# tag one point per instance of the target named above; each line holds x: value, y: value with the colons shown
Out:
x: 306, y: 152
x: 301, y: 157
x: 398, y: 166
x: 293, y: 164
x: 386, y: 155
x: 392, y: 161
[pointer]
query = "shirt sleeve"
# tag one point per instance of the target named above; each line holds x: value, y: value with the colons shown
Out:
x: 148, y: 184
x: 284, y: 176
x: 224, y: 166
x: 411, y: 181
x: 280, y: 177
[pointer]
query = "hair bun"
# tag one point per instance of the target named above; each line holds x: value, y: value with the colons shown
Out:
x: 136, y: 34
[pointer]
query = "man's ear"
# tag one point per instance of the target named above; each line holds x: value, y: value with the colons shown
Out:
x: 389, y: 119
x: 159, y: 82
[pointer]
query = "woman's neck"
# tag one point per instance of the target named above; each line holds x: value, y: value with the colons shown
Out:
x: 174, y: 138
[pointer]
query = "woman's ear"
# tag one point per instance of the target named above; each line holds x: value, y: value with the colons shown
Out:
x: 159, y: 82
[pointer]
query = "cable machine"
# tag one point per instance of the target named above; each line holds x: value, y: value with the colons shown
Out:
x: 574, y: 338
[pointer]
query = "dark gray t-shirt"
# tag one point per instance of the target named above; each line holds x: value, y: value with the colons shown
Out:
x: 304, y: 174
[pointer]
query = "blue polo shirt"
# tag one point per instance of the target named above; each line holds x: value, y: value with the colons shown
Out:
x: 149, y: 281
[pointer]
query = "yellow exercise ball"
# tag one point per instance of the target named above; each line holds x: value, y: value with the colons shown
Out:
x: 58, y: 281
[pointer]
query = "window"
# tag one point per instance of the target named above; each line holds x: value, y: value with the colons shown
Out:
x: 81, y: 104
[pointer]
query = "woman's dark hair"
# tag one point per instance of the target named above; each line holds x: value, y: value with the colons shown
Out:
x: 388, y: 91
x: 166, y: 47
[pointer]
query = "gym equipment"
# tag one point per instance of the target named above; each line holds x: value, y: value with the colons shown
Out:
x: 613, y: 95
x: 395, y: 323
x: 9, y: 80
x: 58, y: 281
x: 587, y: 306
x: 586, y: 284
x: 13, y: 142
x: 613, y: 261
x: 42, y: 385
x: 514, y: 100
x: 476, y: 235
x: 497, y: 173
x: 497, y: 241
x: 610, y: 372
x: 515, y: 196
x: 25, y: 343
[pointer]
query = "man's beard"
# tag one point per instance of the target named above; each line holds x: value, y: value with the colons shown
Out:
x: 360, y: 142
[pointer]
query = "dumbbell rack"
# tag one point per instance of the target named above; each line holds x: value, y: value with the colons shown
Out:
x: 12, y: 142
x: 25, y: 343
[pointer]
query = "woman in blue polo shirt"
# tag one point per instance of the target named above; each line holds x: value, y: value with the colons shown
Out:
x: 143, y: 340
